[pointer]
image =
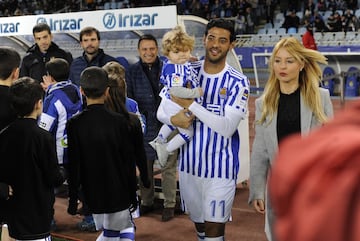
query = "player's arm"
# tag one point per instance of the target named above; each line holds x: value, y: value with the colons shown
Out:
x: 235, y: 110
x: 182, y: 119
x: 49, y: 117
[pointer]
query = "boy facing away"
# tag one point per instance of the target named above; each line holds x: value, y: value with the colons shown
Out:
x: 29, y: 164
x: 100, y: 159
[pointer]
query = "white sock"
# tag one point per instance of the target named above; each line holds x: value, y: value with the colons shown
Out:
x: 200, y: 236
x: 127, y: 234
x: 175, y: 143
x: 164, y: 133
x: 221, y: 238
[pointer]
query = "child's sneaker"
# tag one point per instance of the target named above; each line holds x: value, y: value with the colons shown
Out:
x: 87, y: 225
x: 162, y: 153
x: 160, y: 148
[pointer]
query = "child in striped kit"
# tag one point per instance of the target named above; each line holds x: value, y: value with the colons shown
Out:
x: 179, y: 80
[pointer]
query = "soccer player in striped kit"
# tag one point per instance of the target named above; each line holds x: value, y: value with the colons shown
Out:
x: 209, y: 162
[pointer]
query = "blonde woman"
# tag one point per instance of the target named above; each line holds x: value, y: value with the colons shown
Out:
x: 292, y: 102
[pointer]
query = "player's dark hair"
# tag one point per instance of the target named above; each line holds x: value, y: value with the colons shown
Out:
x: 9, y: 60
x: 24, y: 93
x: 41, y: 27
x: 147, y: 37
x: 88, y: 31
x: 94, y: 81
x: 58, y: 68
x: 222, y: 23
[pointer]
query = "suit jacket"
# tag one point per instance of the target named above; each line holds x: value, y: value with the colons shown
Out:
x: 265, y: 147
x: 139, y: 89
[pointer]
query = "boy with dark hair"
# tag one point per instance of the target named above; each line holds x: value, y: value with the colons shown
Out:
x: 62, y: 101
x: 92, y: 55
x: 9, y: 71
x: 44, y: 49
x: 28, y: 164
x: 100, y: 159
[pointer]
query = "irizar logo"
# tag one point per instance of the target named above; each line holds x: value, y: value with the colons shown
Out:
x: 129, y: 20
x: 9, y: 27
x: 109, y: 20
x: 61, y: 24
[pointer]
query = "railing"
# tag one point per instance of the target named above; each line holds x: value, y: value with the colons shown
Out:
x: 322, y: 39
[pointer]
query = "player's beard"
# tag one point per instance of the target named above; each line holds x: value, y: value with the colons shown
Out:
x: 215, y: 59
x: 91, y: 50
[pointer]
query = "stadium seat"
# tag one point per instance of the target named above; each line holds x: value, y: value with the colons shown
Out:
x: 162, y: 58
x: 328, y: 82
x: 123, y: 61
x: 113, y: 5
x: 281, y: 31
x: 262, y: 31
x: 302, y: 30
x: 107, y: 6
x: 352, y: 82
x: 327, y: 15
x: 292, y: 30
x: 272, y: 31
x: 268, y: 26
x: 357, y: 13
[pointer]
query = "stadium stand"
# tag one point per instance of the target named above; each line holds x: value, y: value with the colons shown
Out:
x: 124, y: 43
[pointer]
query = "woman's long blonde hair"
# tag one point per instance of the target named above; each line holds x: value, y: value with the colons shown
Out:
x: 309, y: 79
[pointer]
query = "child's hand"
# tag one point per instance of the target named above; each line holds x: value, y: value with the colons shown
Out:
x: 201, y: 92
x: 47, y: 81
x: 193, y: 58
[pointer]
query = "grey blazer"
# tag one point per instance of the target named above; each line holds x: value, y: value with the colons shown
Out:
x: 265, y: 146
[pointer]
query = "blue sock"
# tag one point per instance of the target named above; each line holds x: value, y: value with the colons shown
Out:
x: 200, y: 236
x: 127, y: 234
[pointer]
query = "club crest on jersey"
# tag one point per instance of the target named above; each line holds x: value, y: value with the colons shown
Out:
x: 223, y: 93
x: 245, y: 95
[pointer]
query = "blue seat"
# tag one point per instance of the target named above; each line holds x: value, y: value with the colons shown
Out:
x: 328, y: 81
x: 123, y: 61
x: 352, y: 82
x: 292, y: 30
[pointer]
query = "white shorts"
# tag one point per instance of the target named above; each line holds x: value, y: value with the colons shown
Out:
x: 207, y: 199
x: 113, y: 221
x: 170, y: 107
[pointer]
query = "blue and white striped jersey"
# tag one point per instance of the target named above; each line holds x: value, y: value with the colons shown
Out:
x: 132, y: 106
x: 62, y: 101
x: 178, y: 75
x: 213, y: 152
